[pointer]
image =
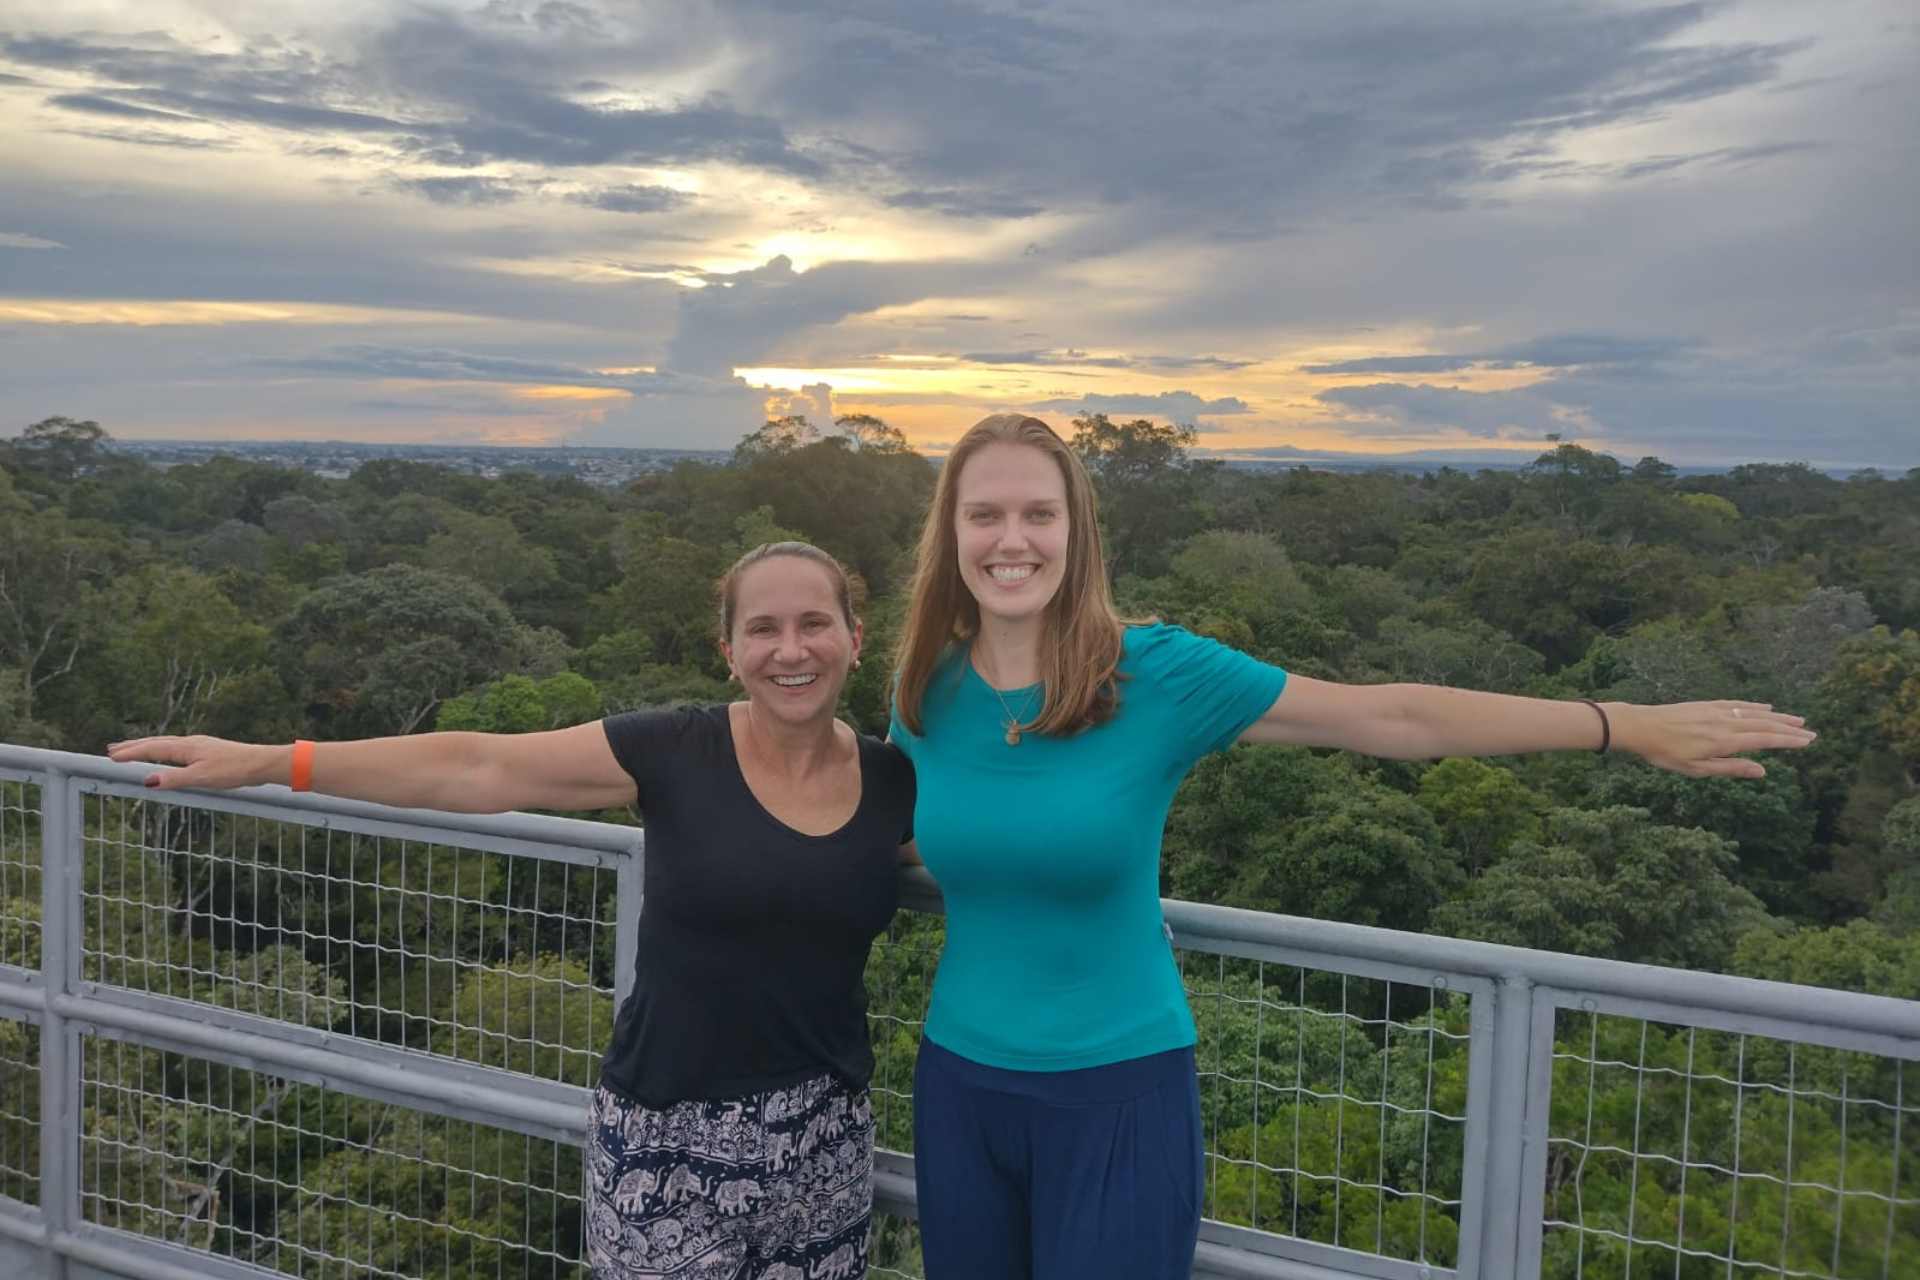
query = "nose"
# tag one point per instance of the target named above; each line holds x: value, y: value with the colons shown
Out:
x: 1013, y: 533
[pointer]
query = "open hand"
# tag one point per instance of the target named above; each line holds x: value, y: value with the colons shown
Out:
x: 1706, y: 739
x: 210, y: 763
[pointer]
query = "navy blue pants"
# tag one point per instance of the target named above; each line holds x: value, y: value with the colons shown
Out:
x: 1057, y: 1175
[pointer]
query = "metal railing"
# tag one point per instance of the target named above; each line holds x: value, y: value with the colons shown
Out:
x: 258, y: 1031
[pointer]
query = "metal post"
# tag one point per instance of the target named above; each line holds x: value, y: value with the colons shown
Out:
x: 60, y: 884
x: 629, y: 888
x: 1509, y: 1135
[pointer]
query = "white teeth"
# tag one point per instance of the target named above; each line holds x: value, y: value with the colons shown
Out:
x: 1011, y: 573
x: 794, y: 682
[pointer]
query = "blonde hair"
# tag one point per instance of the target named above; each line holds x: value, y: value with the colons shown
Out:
x: 1080, y: 657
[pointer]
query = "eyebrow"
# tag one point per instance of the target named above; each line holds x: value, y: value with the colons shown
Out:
x: 752, y: 618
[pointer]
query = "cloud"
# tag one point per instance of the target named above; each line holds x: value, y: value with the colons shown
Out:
x: 1055, y: 359
x: 1175, y: 406
x: 21, y: 240
x: 1077, y: 197
x: 152, y: 138
x: 1047, y: 359
x: 962, y: 204
x: 1551, y: 351
x: 633, y: 199
x: 1392, y: 408
x: 438, y: 364
x: 1395, y: 364
x: 740, y: 319
x: 103, y: 106
x: 468, y: 190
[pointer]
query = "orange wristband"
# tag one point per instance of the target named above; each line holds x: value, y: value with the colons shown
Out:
x: 302, y: 779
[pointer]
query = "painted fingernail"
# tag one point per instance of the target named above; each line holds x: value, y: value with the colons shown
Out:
x: 152, y: 782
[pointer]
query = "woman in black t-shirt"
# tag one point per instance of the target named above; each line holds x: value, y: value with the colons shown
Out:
x: 730, y: 1133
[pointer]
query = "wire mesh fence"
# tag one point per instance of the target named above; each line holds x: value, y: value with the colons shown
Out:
x: 1333, y: 1106
x: 1677, y: 1151
x: 316, y: 1183
x: 20, y: 886
x: 506, y: 960
x: 19, y: 1110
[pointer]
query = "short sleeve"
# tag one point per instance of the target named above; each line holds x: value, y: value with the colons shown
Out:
x: 647, y: 743
x: 1214, y: 693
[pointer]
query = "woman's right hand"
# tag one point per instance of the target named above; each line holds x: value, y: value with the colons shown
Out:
x: 209, y: 763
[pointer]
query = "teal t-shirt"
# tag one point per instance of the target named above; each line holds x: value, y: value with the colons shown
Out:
x: 1048, y: 853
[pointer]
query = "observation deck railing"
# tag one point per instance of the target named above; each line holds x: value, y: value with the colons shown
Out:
x: 262, y: 1032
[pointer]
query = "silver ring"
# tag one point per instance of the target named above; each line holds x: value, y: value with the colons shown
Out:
x: 1738, y: 714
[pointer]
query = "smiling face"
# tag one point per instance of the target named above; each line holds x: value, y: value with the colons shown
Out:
x: 791, y: 644
x: 1011, y: 528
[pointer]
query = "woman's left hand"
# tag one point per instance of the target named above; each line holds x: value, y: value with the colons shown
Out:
x: 1705, y: 739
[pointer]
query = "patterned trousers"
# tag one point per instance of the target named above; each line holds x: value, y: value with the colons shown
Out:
x: 772, y: 1186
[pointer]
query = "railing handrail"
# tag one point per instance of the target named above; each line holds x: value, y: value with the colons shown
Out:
x: 580, y: 833
x: 1786, y: 1002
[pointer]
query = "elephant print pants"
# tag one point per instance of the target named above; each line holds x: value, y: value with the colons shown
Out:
x: 773, y: 1186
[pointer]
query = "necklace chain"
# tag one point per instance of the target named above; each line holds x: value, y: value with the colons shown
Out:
x: 1013, y: 722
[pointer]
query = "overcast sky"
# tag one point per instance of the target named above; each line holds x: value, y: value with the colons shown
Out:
x: 1689, y: 230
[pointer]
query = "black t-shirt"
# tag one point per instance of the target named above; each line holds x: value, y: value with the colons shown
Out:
x: 753, y: 938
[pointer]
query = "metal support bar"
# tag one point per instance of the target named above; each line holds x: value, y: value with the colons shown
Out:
x: 1498, y: 1133
x: 629, y: 892
x: 60, y: 1062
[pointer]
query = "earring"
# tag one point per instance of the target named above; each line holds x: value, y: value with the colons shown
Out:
x: 856, y: 663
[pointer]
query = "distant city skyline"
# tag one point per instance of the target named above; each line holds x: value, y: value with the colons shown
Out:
x: 1447, y: 227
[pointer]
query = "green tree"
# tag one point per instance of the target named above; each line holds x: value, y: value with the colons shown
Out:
x: 61, y: 449
x: 518, y: 704
x: 175, y: 640
x: 1480, y: 809
x: 1146, y: 480
x: 776, y: 437
x: 869, y: 432
x: 54, y: 572
x: 378, y: 652
x: 1611, y: 883
x: 1285, y: 830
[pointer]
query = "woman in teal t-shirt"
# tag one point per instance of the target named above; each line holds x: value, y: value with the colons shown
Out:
x: 1056, y: 1105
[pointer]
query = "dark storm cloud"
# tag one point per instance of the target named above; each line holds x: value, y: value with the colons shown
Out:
x: 963, y: 110
x: 439, y: 87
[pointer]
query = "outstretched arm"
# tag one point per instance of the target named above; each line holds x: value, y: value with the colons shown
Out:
x: 1424, y: 722
x: 456, y: 772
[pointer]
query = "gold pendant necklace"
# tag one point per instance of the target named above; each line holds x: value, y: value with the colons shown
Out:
x: 1013, y: 722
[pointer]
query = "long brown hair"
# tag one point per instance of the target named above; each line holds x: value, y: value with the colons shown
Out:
x: 1080, y: 655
